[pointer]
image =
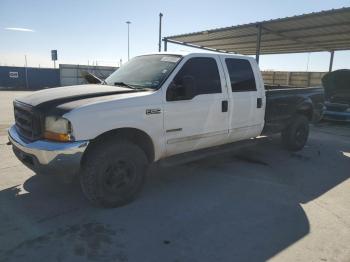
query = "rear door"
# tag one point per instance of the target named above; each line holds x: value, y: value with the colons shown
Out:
x: 247, y: 98
x: 201, y: 120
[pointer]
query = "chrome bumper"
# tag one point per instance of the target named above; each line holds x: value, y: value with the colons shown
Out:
x: 336, y: 116
x: 48, y: 157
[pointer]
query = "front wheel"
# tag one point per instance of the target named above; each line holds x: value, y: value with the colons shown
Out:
x: 294, y: 137
x: 113, y: 173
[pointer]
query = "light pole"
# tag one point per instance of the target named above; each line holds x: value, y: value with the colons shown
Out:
x: 160, y: 32
x: 128, y: 22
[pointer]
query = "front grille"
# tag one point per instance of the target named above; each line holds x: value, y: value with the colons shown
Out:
x: 28, y: 121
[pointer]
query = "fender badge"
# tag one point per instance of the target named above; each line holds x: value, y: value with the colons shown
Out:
x: 153, y: 111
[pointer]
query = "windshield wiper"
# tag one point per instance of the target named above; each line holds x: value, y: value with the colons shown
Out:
x: 124, y: 84
x: 132, y: 87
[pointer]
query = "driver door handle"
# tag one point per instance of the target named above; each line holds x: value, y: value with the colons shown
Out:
x: 224, y: 106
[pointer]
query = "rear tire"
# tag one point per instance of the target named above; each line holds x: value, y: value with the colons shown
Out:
x: 113, y: 173
x: 294, y: 137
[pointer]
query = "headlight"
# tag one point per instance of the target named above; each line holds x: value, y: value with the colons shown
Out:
x: 58, y: 129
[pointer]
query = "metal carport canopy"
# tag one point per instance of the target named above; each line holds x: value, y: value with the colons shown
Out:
x: 315, y: 32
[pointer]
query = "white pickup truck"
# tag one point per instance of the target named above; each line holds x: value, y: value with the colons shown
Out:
x: 153, y: 107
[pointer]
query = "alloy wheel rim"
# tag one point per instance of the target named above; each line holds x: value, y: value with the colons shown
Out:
x: 118, y: 175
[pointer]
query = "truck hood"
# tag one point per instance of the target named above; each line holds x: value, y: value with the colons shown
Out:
x: 337, y: 87
x: 48, y: 99
x: 71, y: 93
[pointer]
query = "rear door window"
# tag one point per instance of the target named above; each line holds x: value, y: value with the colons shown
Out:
x: 241, y: 75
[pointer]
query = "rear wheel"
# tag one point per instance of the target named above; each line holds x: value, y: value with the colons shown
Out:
x: 294, y: 137
x: 113, y: 173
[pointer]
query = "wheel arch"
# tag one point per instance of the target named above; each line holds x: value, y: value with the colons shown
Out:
x: 306, y: 109
x: 134, y: 135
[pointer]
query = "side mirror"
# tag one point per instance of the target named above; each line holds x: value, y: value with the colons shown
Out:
x: 181, y: 89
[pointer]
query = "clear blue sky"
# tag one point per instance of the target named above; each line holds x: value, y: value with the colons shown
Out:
x: 87, y: 30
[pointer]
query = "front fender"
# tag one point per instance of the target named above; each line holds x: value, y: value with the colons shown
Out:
x: 91, y: 122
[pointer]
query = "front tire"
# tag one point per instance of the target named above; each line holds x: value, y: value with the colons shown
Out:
x: 294, y: 137
x: 113, y: 173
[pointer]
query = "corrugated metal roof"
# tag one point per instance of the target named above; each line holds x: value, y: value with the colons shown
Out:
x: 320, y: 31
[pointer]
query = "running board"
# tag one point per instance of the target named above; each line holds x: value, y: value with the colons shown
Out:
x: 187, y: 157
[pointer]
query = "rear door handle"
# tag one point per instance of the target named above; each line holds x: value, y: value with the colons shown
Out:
x: 224, y: 106
x: 259, y: 102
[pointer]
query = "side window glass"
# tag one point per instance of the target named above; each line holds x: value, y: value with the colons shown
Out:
x: 241, y: 75
x: 199, y: 75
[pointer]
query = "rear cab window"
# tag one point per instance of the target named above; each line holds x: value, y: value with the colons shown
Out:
x: 241, y: 75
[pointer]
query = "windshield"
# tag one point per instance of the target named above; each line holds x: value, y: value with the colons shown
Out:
x: 148, y: 71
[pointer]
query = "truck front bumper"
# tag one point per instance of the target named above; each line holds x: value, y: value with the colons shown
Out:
x: 336, y: 116
x: 44, y: 156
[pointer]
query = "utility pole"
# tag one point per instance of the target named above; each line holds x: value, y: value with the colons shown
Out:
x: 128, y: 23
x: 308, y: 62
x: 160, y: 32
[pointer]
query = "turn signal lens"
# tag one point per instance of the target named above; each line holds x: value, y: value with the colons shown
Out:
x: 57, y: 137
x: 58, y: 129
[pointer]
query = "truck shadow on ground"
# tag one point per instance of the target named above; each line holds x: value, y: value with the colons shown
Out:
x: 232, y: 207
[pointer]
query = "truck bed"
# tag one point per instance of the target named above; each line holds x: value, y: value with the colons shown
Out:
x: 283, y: 102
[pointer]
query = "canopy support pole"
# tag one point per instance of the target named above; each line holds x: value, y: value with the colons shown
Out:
x: 258, y: 42
x: 165, y: 44
x: 331, y: 61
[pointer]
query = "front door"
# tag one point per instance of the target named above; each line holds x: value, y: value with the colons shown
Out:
x: 195, y: 111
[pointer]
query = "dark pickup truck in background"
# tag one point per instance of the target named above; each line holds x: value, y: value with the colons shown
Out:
x: 283, y: 102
